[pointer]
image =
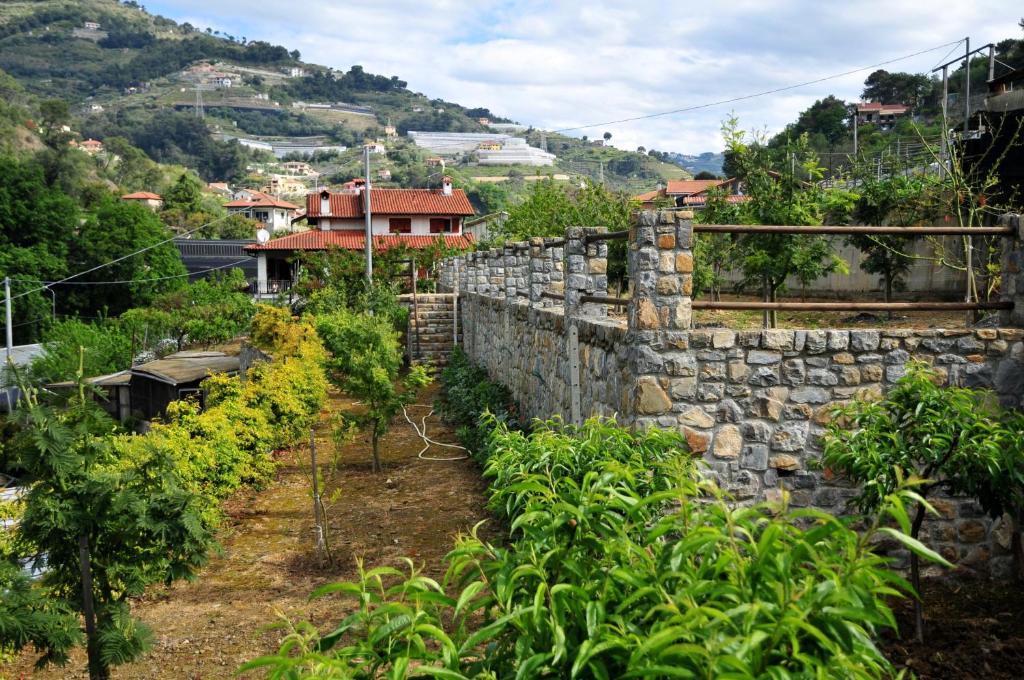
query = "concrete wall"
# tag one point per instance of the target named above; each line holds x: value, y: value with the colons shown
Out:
x: 752, y: 404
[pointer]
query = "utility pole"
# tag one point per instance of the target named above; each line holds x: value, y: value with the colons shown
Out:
x: 967, y: 83
x: 600, y: 170
x: 369, y: 224
x: 856, y: 122
x: 10, y: 337
x: 991, y: 62
x: 945, y: 124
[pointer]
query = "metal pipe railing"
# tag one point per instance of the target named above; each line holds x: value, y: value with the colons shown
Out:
x: 606, y: 236
x: 909, y: 232
x: 851, y: 306
x: 552, y: 296
x: 605, y: 299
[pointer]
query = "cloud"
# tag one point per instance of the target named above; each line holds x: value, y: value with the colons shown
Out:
x: 562, y: 65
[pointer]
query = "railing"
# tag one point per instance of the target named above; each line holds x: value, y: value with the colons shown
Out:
x: 270, y: 287
x: 906, y: 232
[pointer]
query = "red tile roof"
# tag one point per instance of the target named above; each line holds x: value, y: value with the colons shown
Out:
x: 142, y: 196
x: 691, y: 186
x: 316, y: 239
x: 260, y: 200
x: 648, y: 196
x: 701, y: 200
x: 393, y: 202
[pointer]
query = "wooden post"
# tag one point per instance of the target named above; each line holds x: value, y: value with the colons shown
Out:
x: 415, y: 308
x: 318, y: 528
x: 97, y: 671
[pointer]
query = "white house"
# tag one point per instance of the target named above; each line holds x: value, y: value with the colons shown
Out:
x: 416, y: 218
x: 274, y: 214
x: 146, y: 198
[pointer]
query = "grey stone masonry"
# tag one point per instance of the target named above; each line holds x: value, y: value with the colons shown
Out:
x: 752, y: 404
x: 586, y: 272
x: 1013, y: 271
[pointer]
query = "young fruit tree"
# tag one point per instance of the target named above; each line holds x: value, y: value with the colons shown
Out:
x: 948, y: 439
x: 366, y: 362
x: 108, y: 529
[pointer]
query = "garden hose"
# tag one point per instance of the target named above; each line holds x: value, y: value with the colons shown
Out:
x: 421, y: 430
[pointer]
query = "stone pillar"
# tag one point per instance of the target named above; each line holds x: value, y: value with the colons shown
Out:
x: 467, y: 283
x: 556, y: 255
x: 1012, y: 289
x: 511, y: 270
x: 496, y: 273
x: 586, y: 267
x: 660, y: 265
x: 539, y: 271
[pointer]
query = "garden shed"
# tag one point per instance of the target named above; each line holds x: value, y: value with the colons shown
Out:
x: 156, y: 384
x: 113, y: 392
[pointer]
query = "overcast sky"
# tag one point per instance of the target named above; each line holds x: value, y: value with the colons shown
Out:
x: 561, y: 65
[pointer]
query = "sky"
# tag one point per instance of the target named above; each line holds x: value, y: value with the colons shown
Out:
x: 559, y: 65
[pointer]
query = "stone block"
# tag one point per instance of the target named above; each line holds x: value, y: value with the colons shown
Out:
x: 729, y: 412
x: 696, y: 441
x: 684, y: 263
x: 712, y: 370
x: 871, y: 373
x: 754, y: 457
x: 723, y: 339
x: 728, y: 442
x: 810, y: 395
x: 894, y: 373
x: 777, y: 339
x: 764, y: 376
x: 682, y: 388
x: 793, y: 372
x: 838, y: 340
x: 651, y: 398
x: 971, y: 531
x: 760, y: 357
x: 864, y: 340
x: 821, y: 376
x: 710, y: 391
x: 695, y: 416
x: 737, y: 371
x: 815, y: 342
x: 757, y: 431
x: 681, y: 364
x: 785, y: 462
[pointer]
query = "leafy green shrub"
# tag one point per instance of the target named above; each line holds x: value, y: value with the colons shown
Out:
x: 948, y: 439
x: 622, y: 564
x: 107, y: 349
x: 469, y: 393
x: 365, y: 361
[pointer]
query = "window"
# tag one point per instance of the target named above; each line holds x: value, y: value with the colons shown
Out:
x: 400, y: 225
x: 440, y: 225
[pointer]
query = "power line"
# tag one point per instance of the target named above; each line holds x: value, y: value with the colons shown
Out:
x: 758, y: 94
x: 125, y: 281
x: 123, y: 257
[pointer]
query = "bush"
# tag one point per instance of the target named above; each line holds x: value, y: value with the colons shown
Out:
x: 622, y: 563
x: 469, y: 393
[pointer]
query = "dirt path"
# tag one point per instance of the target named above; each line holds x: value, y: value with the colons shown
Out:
x: 205, y: 629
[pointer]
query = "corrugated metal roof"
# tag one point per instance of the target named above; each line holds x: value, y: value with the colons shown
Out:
x: 392, y: 202
x: 316, y: 239
x: 185, y: 367
x: 109, y: 380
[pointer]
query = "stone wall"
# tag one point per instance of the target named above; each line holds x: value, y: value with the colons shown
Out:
x: 753, y: 404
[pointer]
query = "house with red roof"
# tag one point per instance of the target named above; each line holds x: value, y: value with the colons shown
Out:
x: 688, y: 193
x: 414, y: 218
x: 882, y: 115
x: 273, y: 213
x: 146, y: 198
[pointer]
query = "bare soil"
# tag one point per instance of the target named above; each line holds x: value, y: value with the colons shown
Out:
x: 207, y: 628
x: 973, y: 629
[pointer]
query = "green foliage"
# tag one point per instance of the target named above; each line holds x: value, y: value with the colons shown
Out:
x: 951, y: 439
x: 127, y: 524
x: 28, y: 617
x: 620, y: 564
x: 472, y: 402
x: 365, y: 361
x: 185, y: 195
x: 782, y: 190
x: 114, y: 229
x: 826, y: 123
x: 107, y: 348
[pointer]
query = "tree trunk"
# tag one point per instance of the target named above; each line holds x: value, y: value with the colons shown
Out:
x: 888, y: 291
x: 377, y: 467
x: 97, y: 669
x: 766, y: 319
x: 915, y: 577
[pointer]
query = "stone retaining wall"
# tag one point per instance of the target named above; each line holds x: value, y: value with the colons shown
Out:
x: 753, y: 404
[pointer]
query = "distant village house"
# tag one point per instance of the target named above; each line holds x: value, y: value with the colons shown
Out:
x: 274, y: 214
x: 146, y: 198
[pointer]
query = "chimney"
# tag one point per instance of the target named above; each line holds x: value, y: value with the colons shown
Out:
x: 446, y: 185
x: 325, y: 203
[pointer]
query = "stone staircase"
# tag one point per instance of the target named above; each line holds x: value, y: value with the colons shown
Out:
x: 430, y: 336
